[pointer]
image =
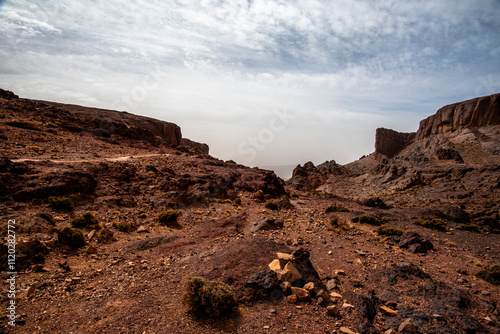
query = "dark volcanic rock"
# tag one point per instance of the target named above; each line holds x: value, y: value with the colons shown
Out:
x: 201, y: 147
x: 415, y: 243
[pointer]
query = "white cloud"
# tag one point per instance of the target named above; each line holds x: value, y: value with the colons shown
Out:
x: 344, y: 67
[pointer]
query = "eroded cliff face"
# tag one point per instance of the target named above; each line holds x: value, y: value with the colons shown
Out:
x: 389, y: 142
x: 107, y: 122
x: 479, y: 112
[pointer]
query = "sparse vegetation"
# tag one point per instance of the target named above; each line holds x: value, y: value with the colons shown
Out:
x: 336, y: 208
x: 237, y: 201
x: 339, y: 222
x: 375, y: 203
x: 123, y: 226
x: 61, y: 203
x: 3, y: 137
x: 435, y: 224
x: 208, y: 299
x: 48, y: 217
x: 271, y: 205
x: 87, y: 220
x: 389, y: 231
x: 469, y: 227
x: 143, y: 215
x: 71, y: 237
x: 169, y: 218
x: 450, y: 244
x: 491, y: 274
x: 34, y: 148
x: 370, y: 220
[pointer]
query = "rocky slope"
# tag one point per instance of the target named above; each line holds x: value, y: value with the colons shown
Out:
x: 99, y: 252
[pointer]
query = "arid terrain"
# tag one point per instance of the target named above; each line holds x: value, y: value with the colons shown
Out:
x: 404, y: 240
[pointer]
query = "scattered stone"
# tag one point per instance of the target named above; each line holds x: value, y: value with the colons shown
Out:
x: 347, y: 305
x: 335, y: 295
x: 91, y: 235
x: 91, y: 249
x: 143, y: 229
x: 388, y: 310
x: 331, y: 284
x: 302, y: 294
x: 346, y: 330
x: 64, y: 265
x: 333, y: 310
x: 408, y: 326
x: 38, y: 268
x: 339, y: 273
x: 309, y: 286
x: 292, y: 299
x: 415, y: 243
x: 285, y: 256
x: 276, y: 265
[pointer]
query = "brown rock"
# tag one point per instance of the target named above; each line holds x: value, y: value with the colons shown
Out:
x: 346, y: 330
x: 477, y: 112
x: 309, y: 286
x: 390, y: 143
x: 333, y: 310
x: 292, y: 299
x: 408, y: 326
x: 302, y: 294
x: 388, y: 311
x: 91, y: 249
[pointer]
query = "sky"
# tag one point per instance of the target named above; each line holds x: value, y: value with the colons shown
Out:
x: 262, y: 82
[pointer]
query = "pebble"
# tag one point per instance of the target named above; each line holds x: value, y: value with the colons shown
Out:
x: 346, y: 330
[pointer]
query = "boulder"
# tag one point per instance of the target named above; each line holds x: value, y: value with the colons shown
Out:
x: 415, y: 243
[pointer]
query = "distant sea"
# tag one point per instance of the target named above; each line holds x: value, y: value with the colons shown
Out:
x: 285, y: 172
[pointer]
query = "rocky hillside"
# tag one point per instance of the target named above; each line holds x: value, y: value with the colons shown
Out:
x: 123, y: 226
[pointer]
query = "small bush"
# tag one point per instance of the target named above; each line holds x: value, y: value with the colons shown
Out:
x: 237, y: 201
x: 469, y: 227
x: 3, y: 137
x: 271, y: 205
x: 61, y: 203
x: 48, y: 217
x: 208, y: 299
x: 375, y: 203
x: 87, y: 220
x: 123, y: 227
x: 435, y: 224
x: 338, y: 222
x: 169, y: 218
x: 491, y: 274
x: 450, y: 244
x: 370, y: 220
x: 34, y: 148
x: 143, y: 215
x: 389, y: 231
x: 336, y: 208
x: 71, y: 237
x: 227, y: 200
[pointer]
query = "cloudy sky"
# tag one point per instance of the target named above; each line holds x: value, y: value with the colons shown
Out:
x: 263, y: 82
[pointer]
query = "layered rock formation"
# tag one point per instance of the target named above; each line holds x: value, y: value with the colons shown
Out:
x: 482, y: 111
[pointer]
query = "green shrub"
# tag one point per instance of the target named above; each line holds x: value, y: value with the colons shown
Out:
x: 71, y: 237
x: 336, y: 208
x: 208, y: 299
x: 169, y: 218
x: 61, y: 203
x: 48, y: 217
x: 271, y: 205
x: 469, y: 227
x: 370, y: 220
x: 389, y: 231
x: 123, y: 227
x: 491, y: 274
x: 435, y: 224
x: 87, y: 220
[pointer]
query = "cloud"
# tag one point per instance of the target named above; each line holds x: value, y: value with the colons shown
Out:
x: 226, y: 67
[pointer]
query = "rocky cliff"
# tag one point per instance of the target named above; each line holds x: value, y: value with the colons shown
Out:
x: 108, y: 122
x: 482, y: 111
x: 389, y: 142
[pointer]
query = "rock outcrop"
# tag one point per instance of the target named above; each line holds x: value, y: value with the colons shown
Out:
x: 309, y: 177
x: 482, y: 111
x: 390, y: 143
x: 201, y: 147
